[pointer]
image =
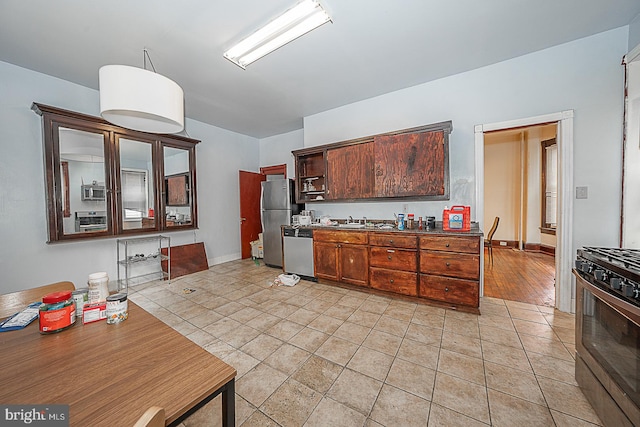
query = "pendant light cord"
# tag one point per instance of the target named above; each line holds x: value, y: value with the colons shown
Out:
x: 145, y: 55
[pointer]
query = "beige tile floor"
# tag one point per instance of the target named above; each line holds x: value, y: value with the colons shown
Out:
x: 319, y: 355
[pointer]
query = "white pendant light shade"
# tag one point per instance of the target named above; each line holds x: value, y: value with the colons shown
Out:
x: 140, y: 99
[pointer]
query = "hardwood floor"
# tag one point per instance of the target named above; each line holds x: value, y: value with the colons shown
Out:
x: 520, y: 276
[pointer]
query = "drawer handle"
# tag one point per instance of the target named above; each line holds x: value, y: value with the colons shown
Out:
x: 388, y: 256
x: 391, y: 281
x: 391, y: 241
x: 447, y: 245
x: 448, y: 264
x: 446, y: 289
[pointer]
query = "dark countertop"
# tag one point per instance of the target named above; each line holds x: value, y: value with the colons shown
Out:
x: 475, y: 230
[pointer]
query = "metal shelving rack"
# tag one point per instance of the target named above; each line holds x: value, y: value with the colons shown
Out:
x: 142, y: 256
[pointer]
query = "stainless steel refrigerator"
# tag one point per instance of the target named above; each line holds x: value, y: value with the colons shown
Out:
x: 277, y: 206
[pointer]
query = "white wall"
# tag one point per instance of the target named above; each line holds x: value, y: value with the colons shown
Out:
x: 584, y: 75
x: 25, y: 259
x: 634, y: 32
x: 276, y: 150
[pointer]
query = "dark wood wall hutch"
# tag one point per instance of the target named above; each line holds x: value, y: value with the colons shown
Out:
x: 102, y: 180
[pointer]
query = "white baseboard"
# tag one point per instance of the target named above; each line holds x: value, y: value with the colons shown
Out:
x: 223, y: 259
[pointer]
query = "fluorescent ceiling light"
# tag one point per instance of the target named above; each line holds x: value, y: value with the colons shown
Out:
x: 295, y: 22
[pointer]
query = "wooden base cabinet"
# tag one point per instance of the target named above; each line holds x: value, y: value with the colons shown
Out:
x: 341, y: 256
x: 393, y: 261
x: 450, y: 269
x: 442, y: 267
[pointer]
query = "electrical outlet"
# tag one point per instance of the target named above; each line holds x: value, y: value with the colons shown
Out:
x: 582, y: 192
x: 405, y: 208
x: 503, y: 243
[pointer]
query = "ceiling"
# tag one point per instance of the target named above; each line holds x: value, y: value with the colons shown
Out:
x: 371, y: 47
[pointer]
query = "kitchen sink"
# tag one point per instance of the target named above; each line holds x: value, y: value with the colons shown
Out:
x: 351, y: 225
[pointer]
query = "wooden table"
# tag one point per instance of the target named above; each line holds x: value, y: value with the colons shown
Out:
x: 111, y: 374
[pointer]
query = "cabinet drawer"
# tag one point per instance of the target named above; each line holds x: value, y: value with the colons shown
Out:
x: 394, y: 259
x: 357, y: 237
x: 394, y: 240
x: 463, y: 266
x: 451, y: 243
x: 455, y: 291
x: 401, y: 282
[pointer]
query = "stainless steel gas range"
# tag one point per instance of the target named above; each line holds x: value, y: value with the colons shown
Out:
x: 608, y: 332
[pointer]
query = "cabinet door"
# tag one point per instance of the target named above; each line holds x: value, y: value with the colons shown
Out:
x: 354, y: 264
x: 325, y: 260
x: 411, y: 165
x: 350, y: 172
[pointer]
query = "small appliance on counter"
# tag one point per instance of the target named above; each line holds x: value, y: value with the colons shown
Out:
x: 306, y: 218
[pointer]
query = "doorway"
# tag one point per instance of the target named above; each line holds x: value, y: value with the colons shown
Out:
x: 513, y: 177
x: 250, y: 191
x: 520, y: 180
x: 564, y: 232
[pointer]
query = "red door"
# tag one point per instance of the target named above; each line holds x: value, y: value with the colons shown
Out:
x: 250, y: 224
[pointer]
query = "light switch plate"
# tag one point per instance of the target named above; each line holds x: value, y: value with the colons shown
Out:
x: 582, y: 192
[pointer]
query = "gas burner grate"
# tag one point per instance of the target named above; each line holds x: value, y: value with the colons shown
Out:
x: 614, y: 270
x: 626, y: 258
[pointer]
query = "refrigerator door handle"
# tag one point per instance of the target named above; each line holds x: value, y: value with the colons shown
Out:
x: 261, y: 207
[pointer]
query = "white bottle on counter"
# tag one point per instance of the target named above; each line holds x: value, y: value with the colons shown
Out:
x: 98, y: 287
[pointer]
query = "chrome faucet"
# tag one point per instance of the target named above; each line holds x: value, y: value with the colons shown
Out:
x: 350, y: 219
x: 364, y: 218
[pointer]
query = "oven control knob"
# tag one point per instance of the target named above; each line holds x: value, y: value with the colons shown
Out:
x: 582, y: 266
x: 601, y: 275
x: 616, y: 283
x: 627, y: 290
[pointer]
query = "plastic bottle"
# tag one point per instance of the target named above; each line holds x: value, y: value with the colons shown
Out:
x: 98, y: 287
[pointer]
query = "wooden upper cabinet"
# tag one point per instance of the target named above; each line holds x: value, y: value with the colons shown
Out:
x: 410, y: 165
x: 350, y: 172
x: 310, y: 176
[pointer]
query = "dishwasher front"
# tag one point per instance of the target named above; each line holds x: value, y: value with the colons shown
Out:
x: 298, y: 252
